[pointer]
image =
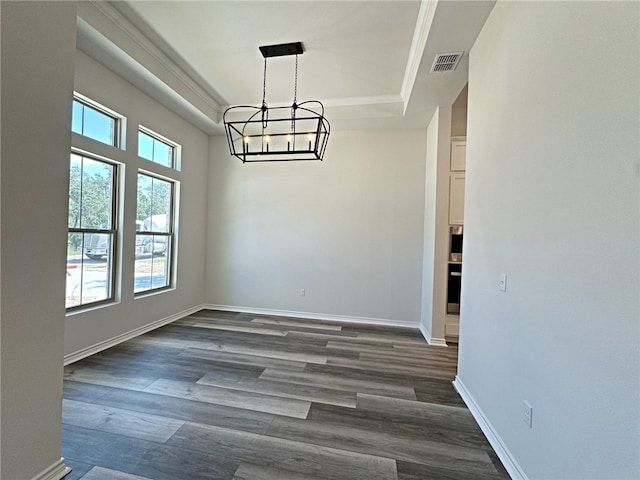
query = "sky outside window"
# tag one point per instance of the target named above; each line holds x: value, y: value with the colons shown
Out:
x: 93, y: 123
x: 155, y: 150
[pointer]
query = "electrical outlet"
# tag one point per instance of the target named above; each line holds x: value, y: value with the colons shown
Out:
x: 502, y: 283
x: 302, y: 292
x: 527, y: 411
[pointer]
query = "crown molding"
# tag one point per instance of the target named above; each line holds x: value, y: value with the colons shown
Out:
x: 110, y: 23
x: 420, y: 35
x: 358, y: 101
x: 350, y: 101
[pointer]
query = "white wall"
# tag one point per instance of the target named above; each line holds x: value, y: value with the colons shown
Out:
x: 436, y: 227
x: 88, y: 328
x: 348, y: 230
x: 459, y: 122
x: 38, y: 44
x: 459, y: 114
x: 429, y: 235
x: 552, y: 200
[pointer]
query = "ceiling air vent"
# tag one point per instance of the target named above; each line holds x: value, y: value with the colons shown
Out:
x: 446, y: 62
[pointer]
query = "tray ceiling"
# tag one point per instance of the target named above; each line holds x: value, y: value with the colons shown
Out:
x: 367, y: 61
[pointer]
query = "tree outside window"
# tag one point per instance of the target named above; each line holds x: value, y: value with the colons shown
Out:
x: 91, y: 231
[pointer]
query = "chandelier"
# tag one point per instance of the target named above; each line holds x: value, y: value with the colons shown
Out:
x: 287, y: 133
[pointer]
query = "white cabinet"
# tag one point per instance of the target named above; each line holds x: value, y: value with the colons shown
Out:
x: 456, y: 199
x: 458, y: 154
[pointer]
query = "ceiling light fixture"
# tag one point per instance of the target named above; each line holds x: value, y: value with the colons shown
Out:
x: 294, y: 132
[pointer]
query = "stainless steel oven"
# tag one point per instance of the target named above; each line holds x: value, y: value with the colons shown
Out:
x: 454, y: 284
x: 455, y: 243
x: 454, y: 270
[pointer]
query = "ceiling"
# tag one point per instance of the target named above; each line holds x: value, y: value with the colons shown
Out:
x: 368, y: 61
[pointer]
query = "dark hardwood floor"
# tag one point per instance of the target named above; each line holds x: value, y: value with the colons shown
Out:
x: 221, y: 395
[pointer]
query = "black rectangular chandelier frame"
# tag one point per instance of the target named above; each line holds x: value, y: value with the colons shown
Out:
x: 295, y: 132
x: 283, y: 137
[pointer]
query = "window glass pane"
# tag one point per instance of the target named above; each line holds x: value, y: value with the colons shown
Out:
x: 154, y: 203
x: 152, y: 263
x: 145, y: 146
x: 89, y: 260
x: 92, y: 199
x: 144, y: 198
x: 97, y: 194
x: 162, y: 153
x: 161, y: 206
x: 96, y: 267
x: 74, y: 269
x: 155, y: 149
x: 153, y: 240
x: 76, y: 122
x: 98, y: 126
x: 155, y: 244
x: 75, y: 191
x: 93, y: 123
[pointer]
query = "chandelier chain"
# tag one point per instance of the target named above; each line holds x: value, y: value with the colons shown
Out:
x: 295, y: 84
x: 265, y: 110
x: 264, y: 83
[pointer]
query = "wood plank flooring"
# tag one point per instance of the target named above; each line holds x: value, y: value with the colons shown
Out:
x: 220, y: 395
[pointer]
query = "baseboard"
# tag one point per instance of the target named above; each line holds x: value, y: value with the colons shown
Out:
x: 436, y: 342
x: 56, y: 471
x: 451, y: 329
x: 505, y: 456
x: 312, y: 316
x: 98, y: 347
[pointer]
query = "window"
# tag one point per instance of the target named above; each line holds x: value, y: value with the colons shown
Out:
x: 157, y: 149
x: 154, y: 233
x: 93, y: 255
x: 91, y: 231
x: 95, y: 122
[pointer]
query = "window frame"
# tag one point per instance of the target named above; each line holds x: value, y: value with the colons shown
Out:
x: 175, y: 148
x: 170, y: 251
x: 112, y: 232
x: 119, y: 120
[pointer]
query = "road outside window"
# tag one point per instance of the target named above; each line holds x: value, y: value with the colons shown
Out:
x: 154, y: 233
